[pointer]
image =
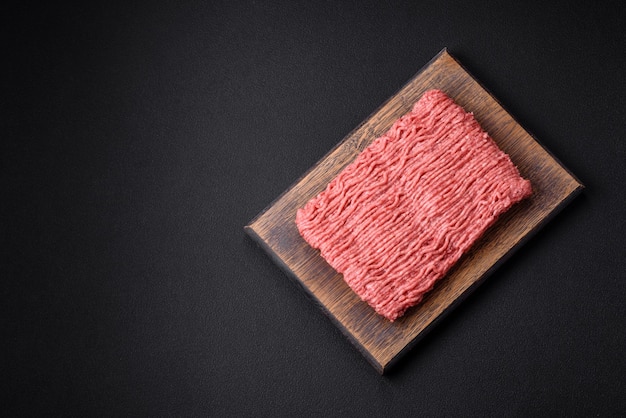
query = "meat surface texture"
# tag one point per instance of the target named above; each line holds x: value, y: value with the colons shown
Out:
x: 396, y: 219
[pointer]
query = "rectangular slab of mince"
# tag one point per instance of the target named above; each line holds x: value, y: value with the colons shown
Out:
x: 396, y: 219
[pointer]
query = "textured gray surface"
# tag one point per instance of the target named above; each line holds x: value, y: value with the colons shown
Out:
x: 138, y: 140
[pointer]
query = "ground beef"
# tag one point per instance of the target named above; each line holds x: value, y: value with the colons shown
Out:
x: 395, y: 220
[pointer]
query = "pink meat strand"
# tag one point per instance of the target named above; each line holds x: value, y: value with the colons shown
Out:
x: 396, y: 219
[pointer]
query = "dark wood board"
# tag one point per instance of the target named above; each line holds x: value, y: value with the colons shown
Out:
x: 383, y: 342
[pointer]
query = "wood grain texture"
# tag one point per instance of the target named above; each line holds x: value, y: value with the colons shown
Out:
x: 383, y: 342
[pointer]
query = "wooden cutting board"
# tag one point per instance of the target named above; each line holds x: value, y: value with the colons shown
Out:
x: 383, y: 342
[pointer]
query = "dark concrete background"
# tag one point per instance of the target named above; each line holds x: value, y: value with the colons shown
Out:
x: 138, y: 139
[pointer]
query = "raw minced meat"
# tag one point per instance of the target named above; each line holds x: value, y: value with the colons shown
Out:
x: 403, y: 212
